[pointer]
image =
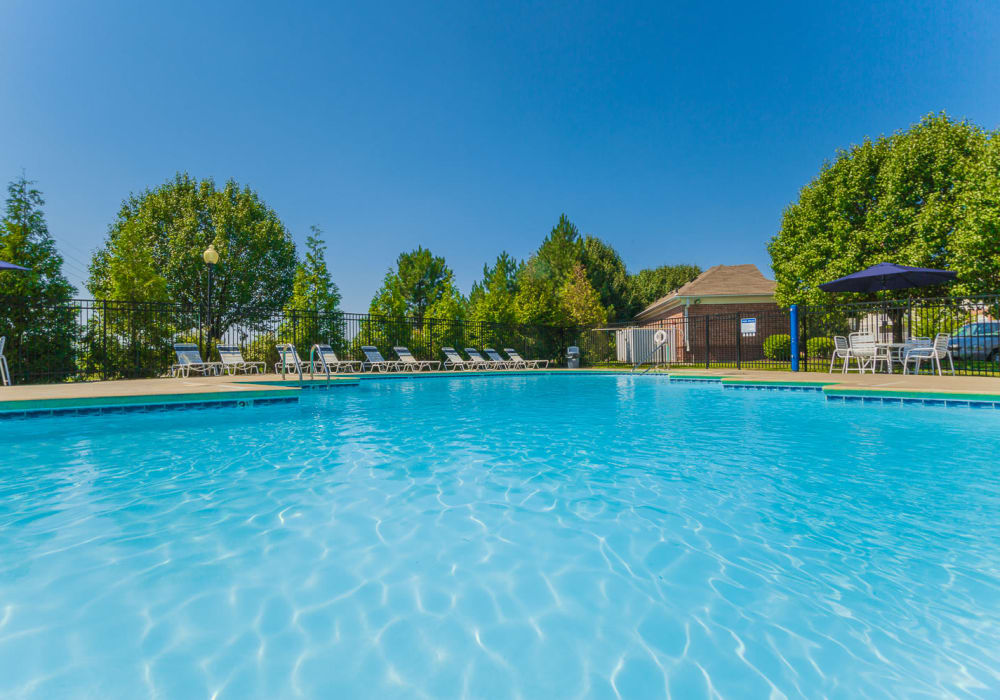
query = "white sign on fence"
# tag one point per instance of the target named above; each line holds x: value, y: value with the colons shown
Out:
x: 748, y: 326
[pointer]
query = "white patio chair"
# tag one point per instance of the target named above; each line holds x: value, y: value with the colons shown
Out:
x: 480, y: 362
x: 495, y: 358
x: 515, y: 357
x: 452, y: 360
x: 4, y: 369
x: 935, y: 353
x: 374, y: 362
x: 408, y: 361
x: 863, y: 350
x: 233, y: 362
x: 326, y: 359
x: 189, y: 360
x: 841, y: 349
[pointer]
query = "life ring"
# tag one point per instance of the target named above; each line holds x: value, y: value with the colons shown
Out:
x: 660, y: 337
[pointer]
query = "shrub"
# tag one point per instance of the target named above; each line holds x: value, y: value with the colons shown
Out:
x: 819, y: 347
x: 778, y: 347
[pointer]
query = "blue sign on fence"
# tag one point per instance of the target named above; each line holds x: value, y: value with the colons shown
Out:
x: 748, y: 326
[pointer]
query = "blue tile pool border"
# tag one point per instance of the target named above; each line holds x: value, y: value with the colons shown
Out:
x: 938, y: 401
x: 117, y: 409
x: 773, y: 387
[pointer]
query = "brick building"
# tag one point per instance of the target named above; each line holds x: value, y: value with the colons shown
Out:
x: 704, y: 316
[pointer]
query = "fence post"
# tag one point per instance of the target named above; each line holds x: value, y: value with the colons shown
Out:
x: 708, y: 355
x: 104, y: 338
x: 739, y: 334
x: 793, y: 332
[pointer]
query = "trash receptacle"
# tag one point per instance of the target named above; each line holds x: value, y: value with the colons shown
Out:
x: 573, y: 357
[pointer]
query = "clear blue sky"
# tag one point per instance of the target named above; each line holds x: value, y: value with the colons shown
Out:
x: 677, y: 132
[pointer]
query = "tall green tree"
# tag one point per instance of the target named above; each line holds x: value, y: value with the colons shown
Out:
x: 424, y: 307
x: 646, y: 286
x: 538, y: 299
x: 313, y: 289
x: 928, y: 196
x: 560, y: 250
x: 492, y: 300
x: 35, y: 313
x: 314, y: 306
x: 419, y: 280
x: 607, y: 274
x: 580, y: 301
x: 153, y: 251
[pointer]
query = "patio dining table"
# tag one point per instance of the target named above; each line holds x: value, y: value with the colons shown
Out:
x: 892, y: 352
x: 895, y: 352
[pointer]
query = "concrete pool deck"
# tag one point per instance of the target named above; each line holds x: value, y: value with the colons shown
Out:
x: 249, y: 389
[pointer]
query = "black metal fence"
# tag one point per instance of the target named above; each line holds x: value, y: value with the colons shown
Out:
x: 86, y: 339
x: 94, y: 339
x: 753, y: 340
x: 761, y: 339
x: 971, y: 324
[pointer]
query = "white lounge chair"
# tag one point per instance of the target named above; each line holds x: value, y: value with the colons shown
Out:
x: 326, y: 359
x: 515, y: 357
x: 288, y: 359
x: 452, y: 360
x: 495, y: 358
x: 408, y: 361
x: 233, y: 362
x: 935, y: 353
x: 374, y: 362
x: 4, y: 369
x: 189, y: 360
x: 478, y: 361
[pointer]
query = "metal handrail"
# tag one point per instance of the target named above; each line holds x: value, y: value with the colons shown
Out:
x: 312, y: 364
x: 298, y: 365
x: 651, y: 354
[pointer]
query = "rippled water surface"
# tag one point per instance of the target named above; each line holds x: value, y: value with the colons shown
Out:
x: 542, y: 537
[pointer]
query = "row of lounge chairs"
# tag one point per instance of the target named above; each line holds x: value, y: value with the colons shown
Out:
x: 323, y: 359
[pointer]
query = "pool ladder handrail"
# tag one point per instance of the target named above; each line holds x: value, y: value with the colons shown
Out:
x: 298, y: 365
x: 649, y: 355
x: 312, y: 365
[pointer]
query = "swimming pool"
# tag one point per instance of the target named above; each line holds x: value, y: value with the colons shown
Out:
x: 548, y: 536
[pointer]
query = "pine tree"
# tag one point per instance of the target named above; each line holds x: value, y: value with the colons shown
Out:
x: 35, y: 315
x: 492, y: 300
x: 581, y: 301
x: 315, y: 297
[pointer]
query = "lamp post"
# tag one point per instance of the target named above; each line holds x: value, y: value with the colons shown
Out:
x: 211, y: 257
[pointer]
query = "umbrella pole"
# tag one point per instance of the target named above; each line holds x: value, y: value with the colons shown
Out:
x: 909, y: 317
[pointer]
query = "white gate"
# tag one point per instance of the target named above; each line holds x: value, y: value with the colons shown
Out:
x: 636, y: 345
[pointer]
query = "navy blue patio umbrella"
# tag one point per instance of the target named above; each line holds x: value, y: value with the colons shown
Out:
x: 12, y: 266
x: 889, y: 276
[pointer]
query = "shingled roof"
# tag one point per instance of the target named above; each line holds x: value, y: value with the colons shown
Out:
x: 718, y: 281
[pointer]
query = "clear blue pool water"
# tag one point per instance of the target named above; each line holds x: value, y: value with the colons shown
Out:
x: 542, y: 537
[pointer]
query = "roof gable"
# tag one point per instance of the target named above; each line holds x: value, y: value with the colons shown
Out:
x: 720, y: 280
